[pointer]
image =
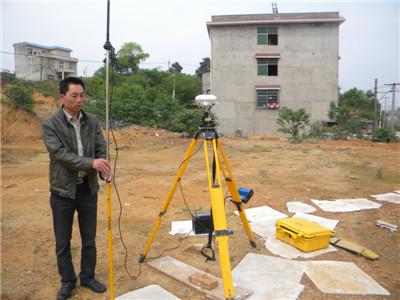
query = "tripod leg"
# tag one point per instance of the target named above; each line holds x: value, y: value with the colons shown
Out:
x: 220, y: 224
x: 167, y: 201
x: 230, y: 182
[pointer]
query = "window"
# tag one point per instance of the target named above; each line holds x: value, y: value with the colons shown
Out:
x: 61, y: 65
x: 267, y: 66
x: 268, y: 98
x: 50, y: 77
x: 29, y: 51
x: 267, y: 35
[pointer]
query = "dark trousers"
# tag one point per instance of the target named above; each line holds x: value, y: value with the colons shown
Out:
x: 63, y: 216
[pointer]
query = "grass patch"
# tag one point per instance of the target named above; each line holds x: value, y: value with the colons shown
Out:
x: 369, y: 175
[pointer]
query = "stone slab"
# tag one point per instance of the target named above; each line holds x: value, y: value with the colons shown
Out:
x: 181, y: 272
x: 338, y: 277
x: 270, y: 277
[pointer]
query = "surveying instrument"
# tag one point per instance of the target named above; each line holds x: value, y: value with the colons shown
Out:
x: 208, y: 133
x: 109, y: 50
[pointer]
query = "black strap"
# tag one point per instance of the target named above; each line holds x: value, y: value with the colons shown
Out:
x: 214, y: 167
x: 209, y: 243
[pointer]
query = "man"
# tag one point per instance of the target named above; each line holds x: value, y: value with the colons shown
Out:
x: 77, y: 151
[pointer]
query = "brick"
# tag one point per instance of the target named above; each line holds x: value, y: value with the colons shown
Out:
x: 203, y: 280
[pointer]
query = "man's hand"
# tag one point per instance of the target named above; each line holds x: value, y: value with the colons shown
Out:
x: 101, y: 165
x: 108, y: 179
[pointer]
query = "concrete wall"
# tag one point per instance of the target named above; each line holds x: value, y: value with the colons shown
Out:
x: 205, y: 80
x: 307, y: 74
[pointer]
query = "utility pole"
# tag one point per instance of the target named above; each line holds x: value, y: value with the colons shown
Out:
x: 173, y: 90
x: 41, y: 68
x: 375, y: 106
x: 393, y: 106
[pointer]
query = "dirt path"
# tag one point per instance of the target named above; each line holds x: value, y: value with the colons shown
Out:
x: 148, y: 160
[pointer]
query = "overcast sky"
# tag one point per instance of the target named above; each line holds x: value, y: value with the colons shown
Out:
x: 175, y: 30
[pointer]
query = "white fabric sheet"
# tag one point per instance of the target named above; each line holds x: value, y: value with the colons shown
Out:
x: 328, y: 223
x: 389, y: 197
x: 264, y: 228
x: 282, y: 249
x: 345, y: 205
x: 262, y: 213
x: 299, y: 207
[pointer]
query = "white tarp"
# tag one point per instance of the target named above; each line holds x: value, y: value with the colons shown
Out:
x: 389, y: 197
x: 282, y: 249
x: 345, y: 205
x: 264, y: 228
x: 150, y: 292
x: 270, y: 277
x: 328, y: 223
x: 337, y: 277
x: 261, y: 213
x: 299, y: 207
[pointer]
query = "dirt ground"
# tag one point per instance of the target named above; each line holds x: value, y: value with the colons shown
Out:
x: 148, y: 160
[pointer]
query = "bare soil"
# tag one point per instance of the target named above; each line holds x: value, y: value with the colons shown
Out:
x: 148, y: 160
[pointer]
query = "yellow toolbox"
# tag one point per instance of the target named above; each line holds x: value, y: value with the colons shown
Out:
x: 303, y: 234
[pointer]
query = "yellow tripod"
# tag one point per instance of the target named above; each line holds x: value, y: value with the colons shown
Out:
x: 208, y: 133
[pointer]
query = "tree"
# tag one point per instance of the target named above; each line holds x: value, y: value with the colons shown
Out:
x: 354, y: 111
x: 175, y: 68
x: 129, y: 57
x: 293, y: 122
x: 204, y: 67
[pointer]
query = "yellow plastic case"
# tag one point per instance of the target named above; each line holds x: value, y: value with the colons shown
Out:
x: 303, y: 234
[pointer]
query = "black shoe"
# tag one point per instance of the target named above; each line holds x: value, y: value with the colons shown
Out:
x: 94, y: 285
x: 65, y: 291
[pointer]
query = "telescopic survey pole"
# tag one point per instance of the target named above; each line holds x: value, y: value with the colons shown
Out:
x: 108, y: 47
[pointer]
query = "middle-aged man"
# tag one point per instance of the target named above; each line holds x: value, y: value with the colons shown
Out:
x: 77, y: 151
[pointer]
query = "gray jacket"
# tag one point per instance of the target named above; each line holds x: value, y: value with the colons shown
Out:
x: 60, y: 139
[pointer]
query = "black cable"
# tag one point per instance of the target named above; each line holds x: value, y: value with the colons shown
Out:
x: 134, y: 277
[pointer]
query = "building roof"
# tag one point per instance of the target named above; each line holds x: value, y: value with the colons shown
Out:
x: 288, y: 18
x: 44, y: 47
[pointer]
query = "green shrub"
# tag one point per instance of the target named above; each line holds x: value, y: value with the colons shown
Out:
x: 293, y: 122
x: 317, y: 130
x: 20, y: 96
x: 338, y: 133
x: 383, y: 135
x: 186, y: 120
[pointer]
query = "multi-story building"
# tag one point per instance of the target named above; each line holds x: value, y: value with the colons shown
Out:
x: 38, y: 62
x: 261, y: 63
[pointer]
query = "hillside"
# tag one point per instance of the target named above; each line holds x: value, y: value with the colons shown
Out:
x: 18, y: 125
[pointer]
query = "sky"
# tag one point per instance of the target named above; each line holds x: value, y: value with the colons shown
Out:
x: 175, y: 30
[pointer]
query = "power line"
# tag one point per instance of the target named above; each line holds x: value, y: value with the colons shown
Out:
x: 91, y: 61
